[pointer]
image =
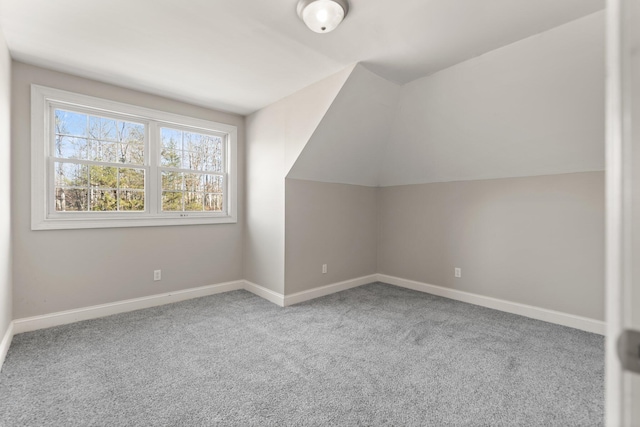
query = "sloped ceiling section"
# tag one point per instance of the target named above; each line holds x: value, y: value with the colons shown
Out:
x: 346, y: 145
x: 244, y: 55
x: 535, y: 107
x: 275, y: 135
x: 304, y: 111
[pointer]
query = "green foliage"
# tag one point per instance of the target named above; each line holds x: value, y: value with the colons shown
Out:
x: 81, y: 187
x: 171, y: 201
x: 171, y: 154
x: 99, y: 188
x: 131, y: 200
x: 193, y: 201
x: 103, y: 200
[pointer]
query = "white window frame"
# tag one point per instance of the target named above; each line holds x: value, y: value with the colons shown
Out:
x: 43, y: 215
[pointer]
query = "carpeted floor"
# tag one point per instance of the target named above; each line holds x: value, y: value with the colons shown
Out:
x: 374, y: 355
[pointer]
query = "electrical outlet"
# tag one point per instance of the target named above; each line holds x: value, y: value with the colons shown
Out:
x: 324, y: 268
x: 157, y: 275
x: 458, y: 272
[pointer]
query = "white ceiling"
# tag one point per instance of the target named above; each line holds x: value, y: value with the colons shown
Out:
x: 241, y: 55
x: 348, y: 144
x: 535, y: 107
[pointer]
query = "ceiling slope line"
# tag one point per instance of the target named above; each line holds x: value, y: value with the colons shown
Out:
x: 345, y: 146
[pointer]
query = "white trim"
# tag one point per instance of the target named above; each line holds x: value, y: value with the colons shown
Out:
x: 557, y: 317
x: 96, y: 311
x: 265, y: 293
x: 70, y: 316
x: 299, y: 297
x: 5, y: 343
x: 43, y: 218
x: 618, y: 231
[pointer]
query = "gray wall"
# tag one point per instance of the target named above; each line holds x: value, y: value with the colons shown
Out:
x: 275, y: 137
x: 65, y: 269
x: 263, y: 262
x: 333, y: 224
x: 534, y: 107
x: 347, y: 145
x: 5, y: 188
x: 634, y: 104
x: 534, y: 240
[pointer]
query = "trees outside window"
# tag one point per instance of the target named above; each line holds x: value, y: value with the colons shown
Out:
x: 98, y: 163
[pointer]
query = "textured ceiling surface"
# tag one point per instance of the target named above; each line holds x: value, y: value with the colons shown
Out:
x: 240, y: 56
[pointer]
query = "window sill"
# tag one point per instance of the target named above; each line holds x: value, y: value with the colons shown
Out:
x: 84, y: 223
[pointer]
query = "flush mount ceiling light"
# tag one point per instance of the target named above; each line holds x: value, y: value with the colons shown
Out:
x: 322, y: 16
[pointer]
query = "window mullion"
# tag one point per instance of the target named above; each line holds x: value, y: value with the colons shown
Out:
x: 77, y: 160
x: 197, y: 171
x: 98, y: 163
x: 225, y: 188
x: 117, y: 189
x: 153, y: 178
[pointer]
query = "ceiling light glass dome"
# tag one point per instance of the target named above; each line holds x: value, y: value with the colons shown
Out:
x: 322, y: 16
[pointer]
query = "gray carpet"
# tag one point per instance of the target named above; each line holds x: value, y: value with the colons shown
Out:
x: 374, y: 355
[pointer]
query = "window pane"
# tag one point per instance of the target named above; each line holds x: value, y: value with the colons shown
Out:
x: 171, y: 153
x: 171, y: 200
x: 102, y: 151
x: 71, y: 199
x: 192, y: 160
x: 101, y: 168
x: 213, y: 151
x: 172, y: 180
x: 116, y: 141
x: 171, y: 137
x: 191, y: 141
x: 214, y: 163
x: 213, y: 202
x: 131, y: 200
x: 113, y: 152
x: 103, y: 177
x: 213, y: 183
x: 103, y: 129
x: 193, y: 201
x: 103, y: 200
x: 71, y: 147
x: 133, y: 133
x: 204, y: 159
x: 193, y: 182
x: 70, y: 123
x: 132, y: 153
x: 131, y: 178
x: 191, y: 150
x: 70, y: 175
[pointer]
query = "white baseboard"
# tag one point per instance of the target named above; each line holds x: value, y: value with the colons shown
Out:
x: 551, y: 316
x: 299, y: 297
x: 265, y: 293
x: 5, y: 343
x: 93, y: 312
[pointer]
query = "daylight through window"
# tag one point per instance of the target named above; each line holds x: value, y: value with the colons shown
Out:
x: 98, y: 163
x: 94, y: 161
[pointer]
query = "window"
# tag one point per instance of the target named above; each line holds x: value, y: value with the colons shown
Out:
x: 98, y: 163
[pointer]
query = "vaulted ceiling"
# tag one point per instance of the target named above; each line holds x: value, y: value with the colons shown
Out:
x: 535, y: 107
x: 240, y: 56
